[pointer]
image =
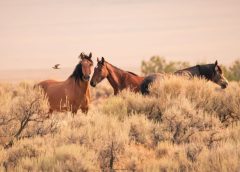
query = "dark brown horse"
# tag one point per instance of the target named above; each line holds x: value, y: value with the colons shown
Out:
x: 211, y: 72
x: 74, y: 93
x: 118, y: 78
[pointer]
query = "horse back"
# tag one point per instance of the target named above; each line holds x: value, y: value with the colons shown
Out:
x: 185, y: 73
x: 133, y: 82
x: 45, y: 84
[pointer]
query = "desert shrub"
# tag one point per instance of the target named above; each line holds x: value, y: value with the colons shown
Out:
x: 68, y: 158
x: 23, y: 113
x: 143, y: 131
x: 26, y: 156
x: 139, y: 130
x: 24, y: 150
x: 110, y: 107
x: 187, y: 110
x: 184, y: 125
x: 203, y: 95
x: 102, y: 91
x: 232, y: 72
x: 194, y: 157
x: 100, y: 133
x: 20, y: 152
x: 105, y: 138
x: 3, y: 156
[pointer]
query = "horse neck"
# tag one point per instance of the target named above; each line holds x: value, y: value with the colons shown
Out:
x: 193, y: 70
x: 206, y: 71
x: 115, y: 76
x: 78, y: 86
x: 200, y: 71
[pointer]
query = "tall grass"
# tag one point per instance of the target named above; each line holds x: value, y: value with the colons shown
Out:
x: 184, y: 125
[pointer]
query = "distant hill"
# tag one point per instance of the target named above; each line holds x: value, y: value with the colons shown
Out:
x: 42, y: 74
x: 34, y: 74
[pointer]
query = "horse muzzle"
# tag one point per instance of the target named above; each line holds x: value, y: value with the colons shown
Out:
x: 224, y: 85
x: 86, y: 78
x: 93, y: 84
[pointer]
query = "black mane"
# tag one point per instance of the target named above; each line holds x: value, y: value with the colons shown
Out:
x: 206, y: 70
x: 77, y: 73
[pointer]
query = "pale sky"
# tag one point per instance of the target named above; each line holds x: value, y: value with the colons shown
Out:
x: 40, y: 33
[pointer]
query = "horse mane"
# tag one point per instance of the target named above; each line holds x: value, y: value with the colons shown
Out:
x: 121, y: 69
x: 206, y: 70
x: 132, y: 73
x: 77, y: 73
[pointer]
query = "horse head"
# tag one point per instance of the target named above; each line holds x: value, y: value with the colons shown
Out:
x: 83, y: 69
x: 100, y: 72
x: 218, y: 76
x: 86, y: 65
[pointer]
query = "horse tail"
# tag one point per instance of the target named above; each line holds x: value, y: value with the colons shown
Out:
x: 148, y: 80
x: 144, y: 87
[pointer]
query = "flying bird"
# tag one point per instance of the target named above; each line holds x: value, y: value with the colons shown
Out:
x: 56, y: 66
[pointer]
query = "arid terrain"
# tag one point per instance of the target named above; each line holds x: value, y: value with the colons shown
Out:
x: 175, y: 71
x: 183, y: 125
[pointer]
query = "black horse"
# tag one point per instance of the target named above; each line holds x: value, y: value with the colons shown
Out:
x: 211, y: 72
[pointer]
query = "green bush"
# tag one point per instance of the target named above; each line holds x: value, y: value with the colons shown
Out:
x: 158, y: 64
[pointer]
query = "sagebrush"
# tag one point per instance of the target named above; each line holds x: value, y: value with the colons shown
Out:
x: 184, y: 125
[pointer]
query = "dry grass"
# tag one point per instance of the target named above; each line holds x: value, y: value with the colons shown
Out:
x: 184, y: 125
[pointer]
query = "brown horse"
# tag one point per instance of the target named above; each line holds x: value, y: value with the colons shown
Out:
x: 73, y: 93
x: 211, y: 72
x: 118, y: 78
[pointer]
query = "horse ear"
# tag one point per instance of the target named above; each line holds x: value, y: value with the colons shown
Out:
x: 103, y: 60
x: 90, y: 55
x: 216, y: 66
x: 98, y: 59
x: 81, y: 56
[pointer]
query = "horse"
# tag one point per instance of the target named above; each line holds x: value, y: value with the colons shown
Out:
x: 73, y: 93
x: 210, y: 72
x: 118, y: 78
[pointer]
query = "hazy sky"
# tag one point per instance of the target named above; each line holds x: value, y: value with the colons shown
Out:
x: 40, y: 33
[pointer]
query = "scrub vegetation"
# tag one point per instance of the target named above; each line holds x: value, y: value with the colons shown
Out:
x: 183, y: 125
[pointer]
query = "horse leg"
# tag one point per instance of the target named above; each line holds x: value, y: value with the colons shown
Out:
x: 74, y: 112
x: 84, y: 110
x: 49, y: 113
x: 85, y: 103
x: 116, y: 91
